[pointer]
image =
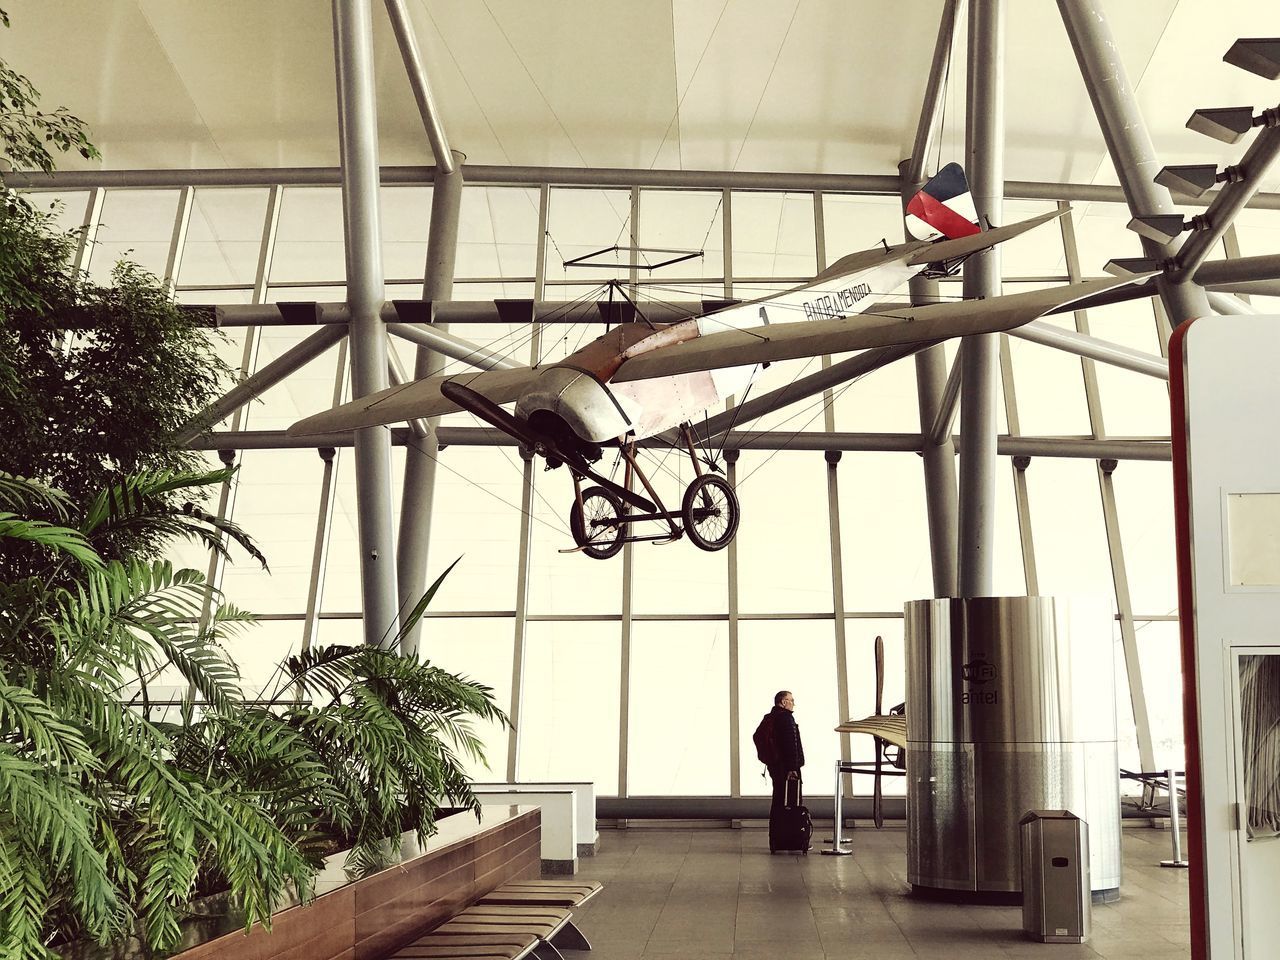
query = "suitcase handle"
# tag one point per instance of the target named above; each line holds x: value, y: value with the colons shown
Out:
x: 786, y: 794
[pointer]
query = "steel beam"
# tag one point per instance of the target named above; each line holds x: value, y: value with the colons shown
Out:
x: 1127, y: 141
x: 863, y: 184
x: 1228, y: 202
x: 1225, y: 303
x: 735, y: 646
x: 855, y: 366
x: 984, y: 151
x: 178, y: 239
x: 1239, y: 270
x: 88, y: 236
x: 362, y: 237
x: 324, y: 517
x: 516, y: 711
x: 293, y: 359
x: 1154, y: 448
x: 417, y: 502
x: 837, y: 600
x: 402, y: 26
x: 435, y: 337
x: 1050, y: 335
x: 946, y: 407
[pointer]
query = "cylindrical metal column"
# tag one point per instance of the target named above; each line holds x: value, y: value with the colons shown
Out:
x: 362, y: 233
x: 984, y: 153
x: 939, y: 458
x: 418, y: 498
x: 1011, y: 707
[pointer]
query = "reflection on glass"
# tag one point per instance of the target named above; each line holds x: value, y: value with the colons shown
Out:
x: 1260, y: 743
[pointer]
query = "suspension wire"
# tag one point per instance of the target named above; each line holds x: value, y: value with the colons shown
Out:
x: 835, y: 395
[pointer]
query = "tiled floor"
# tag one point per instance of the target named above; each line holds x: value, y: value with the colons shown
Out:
x: 712, y: 894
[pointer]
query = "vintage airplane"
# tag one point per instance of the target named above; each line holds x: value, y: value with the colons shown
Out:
x: 640, y: 379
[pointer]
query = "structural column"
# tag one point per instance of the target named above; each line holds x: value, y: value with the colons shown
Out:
x: 984, y: 153
x: 362, y: 233
x: 1127, y: 141
x: 421, y: 456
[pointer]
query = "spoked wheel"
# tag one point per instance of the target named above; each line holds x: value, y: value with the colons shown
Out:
x: 595, y: 525
x: 710, y: 512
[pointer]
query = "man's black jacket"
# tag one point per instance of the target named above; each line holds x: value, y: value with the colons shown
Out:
x: 788, y: 750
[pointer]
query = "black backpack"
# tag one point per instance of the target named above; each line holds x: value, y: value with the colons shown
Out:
x: 766, y: 750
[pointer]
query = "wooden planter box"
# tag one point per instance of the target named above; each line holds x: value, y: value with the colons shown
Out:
x: 367, y: 918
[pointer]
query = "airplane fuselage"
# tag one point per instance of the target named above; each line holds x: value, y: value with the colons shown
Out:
x: 579, y: 390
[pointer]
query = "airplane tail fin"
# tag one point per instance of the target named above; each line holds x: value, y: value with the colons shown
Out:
x: 943, y: 208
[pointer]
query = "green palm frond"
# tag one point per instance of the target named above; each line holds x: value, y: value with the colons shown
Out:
x: 62, y: 540
x: 25, y: 495
x: 140, y: 503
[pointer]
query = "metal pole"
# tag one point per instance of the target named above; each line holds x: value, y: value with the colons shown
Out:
x: 296, y: 357
x: 1127, y: 141
x: 984, y: 150
x: 89, y: 230
x: 837, y: 820
x: 1021, y: 495
x: 178, y: 239
x: 358, y: 149
x: 837, y: 598
x: 946, y: 407
x: 527, y: 490
x: 418, y: 498
x: 1111, y: 516
x: 1175, y: 823
x: 735, y: 688
x: 521, y: 619
x: 939, y: 452
x: 402, y: 26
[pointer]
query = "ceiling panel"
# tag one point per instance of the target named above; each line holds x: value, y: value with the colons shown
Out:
x: 800, y: 85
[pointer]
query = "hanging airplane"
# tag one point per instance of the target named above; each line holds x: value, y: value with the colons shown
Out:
x: 640, y: 379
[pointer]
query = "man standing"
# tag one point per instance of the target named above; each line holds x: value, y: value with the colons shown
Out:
x: 788, y: 752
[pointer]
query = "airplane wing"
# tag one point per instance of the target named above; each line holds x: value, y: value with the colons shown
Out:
x: 420, y: 399
x: 906, y: 324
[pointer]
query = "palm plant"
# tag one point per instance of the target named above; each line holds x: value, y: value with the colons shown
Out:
x: 113, y: 819
x: 99, y: 830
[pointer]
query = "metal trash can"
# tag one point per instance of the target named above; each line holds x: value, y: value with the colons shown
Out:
x: 1056, y: 901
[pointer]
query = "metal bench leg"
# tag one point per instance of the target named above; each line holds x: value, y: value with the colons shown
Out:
x: 546, y: 950
x: 569, y: 937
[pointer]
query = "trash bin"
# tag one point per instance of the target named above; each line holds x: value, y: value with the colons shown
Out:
x: 1055, y: 876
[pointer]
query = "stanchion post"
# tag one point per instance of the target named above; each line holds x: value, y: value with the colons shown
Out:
x: 1175, y: 825
x: 837, y: 822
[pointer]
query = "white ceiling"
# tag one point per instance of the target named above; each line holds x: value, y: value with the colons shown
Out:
x: 829, y: 86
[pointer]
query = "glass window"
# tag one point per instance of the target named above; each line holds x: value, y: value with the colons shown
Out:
x: 1160, y: 651
x: 784, y: 540
x: 224, y: 238
x: 136, y: 225
x: 884, y: 531
x: 773, y: 236
x: 1068, y: 530
x: 309, y: 240
x: 277, y: 502
x: 795, y: 655
x: 569, y: 721
x: 678, y: 733
x: 1144, y: 505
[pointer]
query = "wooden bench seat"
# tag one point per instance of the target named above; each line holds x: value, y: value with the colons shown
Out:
x: 551, y: 893
x: 503, y: 946
x: 526, y: 919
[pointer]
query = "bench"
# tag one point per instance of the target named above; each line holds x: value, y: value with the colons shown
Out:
x: 528, y: 918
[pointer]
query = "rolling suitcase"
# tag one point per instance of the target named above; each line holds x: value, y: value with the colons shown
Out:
x: 790, y: 827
